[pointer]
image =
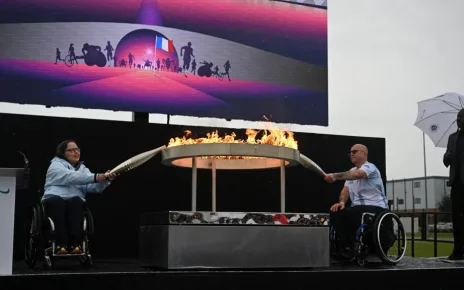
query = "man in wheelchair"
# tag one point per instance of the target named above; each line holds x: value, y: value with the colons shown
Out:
x: 364, y: 186
x: 68, y: 181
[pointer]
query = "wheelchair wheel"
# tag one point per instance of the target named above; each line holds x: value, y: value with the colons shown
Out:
x: 33, y: 235
x: 389, y: 238
x: 90, y: 225
x: 69, y: 61
x: 86, y: 259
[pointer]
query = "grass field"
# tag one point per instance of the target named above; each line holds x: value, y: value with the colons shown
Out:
x: 425, y: 249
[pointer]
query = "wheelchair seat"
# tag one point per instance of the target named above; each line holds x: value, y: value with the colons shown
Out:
x: 40, y: 240
x: 378, y: 234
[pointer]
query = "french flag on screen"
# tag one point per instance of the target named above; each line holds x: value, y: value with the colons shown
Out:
x: 164, y: 44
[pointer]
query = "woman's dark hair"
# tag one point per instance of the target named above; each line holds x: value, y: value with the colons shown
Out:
x: 61, y: 148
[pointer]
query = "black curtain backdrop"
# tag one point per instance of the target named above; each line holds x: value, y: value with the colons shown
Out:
x: 154, y: 187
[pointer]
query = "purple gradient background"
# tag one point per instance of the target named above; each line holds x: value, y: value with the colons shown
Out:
x: 149, y: 13
x: 291, y: 30
x: 116, y: 88
x: 295, y: 31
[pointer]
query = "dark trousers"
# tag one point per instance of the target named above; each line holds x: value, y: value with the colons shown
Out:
x: 457, y: 209
x: 347, y: 221
x: 68, y: 217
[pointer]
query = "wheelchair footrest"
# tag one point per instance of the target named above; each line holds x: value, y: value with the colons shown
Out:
x: 68, y: 255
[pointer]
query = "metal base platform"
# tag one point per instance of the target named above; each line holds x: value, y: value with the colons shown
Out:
x: 186, y: 245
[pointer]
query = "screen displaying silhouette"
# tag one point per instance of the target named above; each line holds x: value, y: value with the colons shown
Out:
x: 233, y: 59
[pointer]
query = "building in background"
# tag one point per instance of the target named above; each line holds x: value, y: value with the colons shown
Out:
x: 402, y: 192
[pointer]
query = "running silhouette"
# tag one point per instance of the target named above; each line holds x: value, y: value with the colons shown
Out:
x: 131, y: 60
x: 188, y: 52
x: 227, y: 67
x: 194, y: 67
x: 71, y: 53
x: 58, y: 56
x: 109, y: 51
x: 168, y: 63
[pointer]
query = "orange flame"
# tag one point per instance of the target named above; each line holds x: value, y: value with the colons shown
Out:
x: 271, y: 136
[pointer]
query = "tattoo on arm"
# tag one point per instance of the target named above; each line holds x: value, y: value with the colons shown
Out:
x: 341, y: 175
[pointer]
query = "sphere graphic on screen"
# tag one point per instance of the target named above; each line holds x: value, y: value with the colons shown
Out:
x: 138, y: 50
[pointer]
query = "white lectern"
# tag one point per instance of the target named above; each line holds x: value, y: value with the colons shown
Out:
x: 10, y: 179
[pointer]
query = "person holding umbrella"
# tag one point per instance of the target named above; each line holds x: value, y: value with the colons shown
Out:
x: 454, y: 158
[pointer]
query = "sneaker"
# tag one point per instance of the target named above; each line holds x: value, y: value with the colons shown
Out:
x: 346, y: 254
x: 60, y: 250
x: 76, y: 250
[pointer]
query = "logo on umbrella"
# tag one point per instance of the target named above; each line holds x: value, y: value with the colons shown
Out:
x: 434, y: 128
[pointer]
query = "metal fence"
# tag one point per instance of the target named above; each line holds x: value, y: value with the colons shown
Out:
x: 428, y: 222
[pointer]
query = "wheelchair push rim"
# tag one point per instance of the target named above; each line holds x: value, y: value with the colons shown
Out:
x: 400, y: 239
x: 30, y: 248
x: 32, y: 236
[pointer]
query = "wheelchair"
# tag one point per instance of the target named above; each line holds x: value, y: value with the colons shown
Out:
x: 39, y: 239
x: 376, y: 236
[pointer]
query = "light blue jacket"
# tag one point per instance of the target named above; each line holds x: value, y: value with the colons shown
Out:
x: 67, y: 181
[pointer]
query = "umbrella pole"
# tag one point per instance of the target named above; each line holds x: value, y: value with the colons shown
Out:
x: 425, y: 171
x: 405, y: 196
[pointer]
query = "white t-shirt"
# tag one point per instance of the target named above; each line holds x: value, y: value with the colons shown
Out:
x: 368, y: 191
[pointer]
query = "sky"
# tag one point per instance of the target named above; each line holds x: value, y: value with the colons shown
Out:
x: 384, y: 57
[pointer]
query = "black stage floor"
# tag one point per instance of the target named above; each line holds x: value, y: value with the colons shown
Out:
x: 415, y: 273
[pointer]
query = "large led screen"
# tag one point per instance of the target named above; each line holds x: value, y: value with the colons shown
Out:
x: 234, y: 59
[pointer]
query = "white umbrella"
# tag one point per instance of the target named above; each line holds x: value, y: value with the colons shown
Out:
x: 436, y: 117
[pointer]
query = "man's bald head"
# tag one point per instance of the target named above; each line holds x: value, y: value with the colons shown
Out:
x: 358, y: 154
x: 360, y: 147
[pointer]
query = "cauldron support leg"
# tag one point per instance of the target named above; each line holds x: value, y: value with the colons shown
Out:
x: 213, y: 163
x: 282, y: 186
x: 194, y: 184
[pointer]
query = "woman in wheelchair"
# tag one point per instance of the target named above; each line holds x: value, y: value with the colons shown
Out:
x: 67, y: 182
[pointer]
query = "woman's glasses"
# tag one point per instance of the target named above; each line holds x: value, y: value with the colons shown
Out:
x: 72, y: 150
